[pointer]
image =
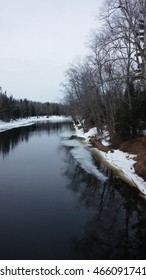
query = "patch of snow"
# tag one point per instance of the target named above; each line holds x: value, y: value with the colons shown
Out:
x: 104, y: 142
x: 79, y: 132
x: 105, y: 138
x: 91, y: 132
x: 86, y: 135
x: 83, y: 156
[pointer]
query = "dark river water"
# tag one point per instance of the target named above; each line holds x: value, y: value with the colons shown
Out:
x: 51, y: 208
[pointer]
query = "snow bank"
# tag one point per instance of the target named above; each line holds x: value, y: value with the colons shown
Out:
x: 118, y: 159
x: 124, y: 162
x: 30, y: 121
x: 86, y: 135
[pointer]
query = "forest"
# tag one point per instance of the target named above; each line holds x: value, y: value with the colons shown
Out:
x: 108, y: 87
x: 12, y: 109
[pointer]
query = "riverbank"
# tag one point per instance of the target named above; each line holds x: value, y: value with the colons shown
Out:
x: 30, y: 121
x: 126, y: 161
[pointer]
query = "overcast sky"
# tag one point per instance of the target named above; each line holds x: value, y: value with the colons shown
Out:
x: 38, y: 40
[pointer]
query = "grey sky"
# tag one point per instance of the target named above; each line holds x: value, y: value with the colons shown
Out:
x: 38, y: 40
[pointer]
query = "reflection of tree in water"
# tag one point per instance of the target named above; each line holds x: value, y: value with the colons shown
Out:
x: 118, y: 227
x: 11, y: 138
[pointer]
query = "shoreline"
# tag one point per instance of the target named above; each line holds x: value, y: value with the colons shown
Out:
x: 4, y: 126
x: 117, y: 172
x: 119, y: 162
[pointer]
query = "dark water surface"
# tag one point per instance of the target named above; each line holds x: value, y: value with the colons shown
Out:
x: 52, y: 209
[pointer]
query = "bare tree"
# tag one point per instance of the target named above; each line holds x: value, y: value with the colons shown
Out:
x: 114, y: 74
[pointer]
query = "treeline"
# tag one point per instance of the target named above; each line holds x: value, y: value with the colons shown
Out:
x: 11, y: 108
x: 109, y: 86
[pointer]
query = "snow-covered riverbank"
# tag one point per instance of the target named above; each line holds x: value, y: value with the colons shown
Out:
x: 122, y: 161
x: 30, y: 121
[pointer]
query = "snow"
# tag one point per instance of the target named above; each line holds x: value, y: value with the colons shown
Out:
x: 93, y: 132
x: 124, y: 162
x: 80, y: 152
x: 30, y: 121
x: 118, y: 159
x: 105, y: 138
x: 84, y: 158
x: 86, y: 135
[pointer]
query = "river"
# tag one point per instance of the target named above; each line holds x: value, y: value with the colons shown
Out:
x: 53, y: 207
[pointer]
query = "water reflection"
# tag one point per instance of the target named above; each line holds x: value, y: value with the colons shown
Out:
x: 118, y: 227
x: 11, y: 138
